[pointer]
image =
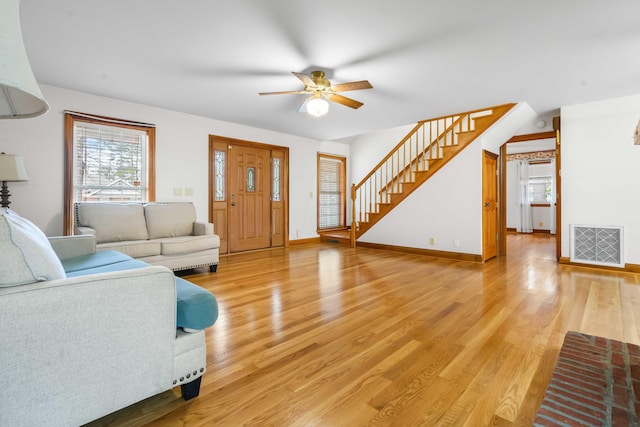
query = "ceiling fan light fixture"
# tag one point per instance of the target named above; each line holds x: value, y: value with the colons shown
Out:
x: 321, y: 92
x: 317, y: 105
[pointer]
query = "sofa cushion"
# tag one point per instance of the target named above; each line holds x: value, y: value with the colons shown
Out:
x: 169, y: 219
x: 93, y: 260
x: 114, y: 222
x: 96, y: 268
x: 27, y: 255
x: 135, y: 248
x: 188, y: 244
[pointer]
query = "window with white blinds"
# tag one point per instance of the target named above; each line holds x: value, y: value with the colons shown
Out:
x: 110, y: 164
x: 107, y: 160
x: 331, y: 191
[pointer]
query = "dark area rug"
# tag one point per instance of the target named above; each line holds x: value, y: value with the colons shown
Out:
x: 596, y: 382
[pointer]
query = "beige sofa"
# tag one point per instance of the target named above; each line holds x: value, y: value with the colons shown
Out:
x: 86, y: 333
x: 157, y: 233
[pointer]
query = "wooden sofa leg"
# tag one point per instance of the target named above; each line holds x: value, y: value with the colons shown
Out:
x: 213, y: 268
x: 191, y: 390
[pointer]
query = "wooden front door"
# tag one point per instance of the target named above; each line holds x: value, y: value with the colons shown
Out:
x: 248, y: 193
x: 489, y: 205
x: 249, y: 204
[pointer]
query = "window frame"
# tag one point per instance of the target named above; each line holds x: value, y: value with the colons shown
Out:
x: 343, y: 193
x: 543, y: 180
x: 70, y: 120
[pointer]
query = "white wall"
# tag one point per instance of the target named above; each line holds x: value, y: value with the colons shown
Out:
x: 447, y: 208
x: 181, y: 157
x: 600, y: 169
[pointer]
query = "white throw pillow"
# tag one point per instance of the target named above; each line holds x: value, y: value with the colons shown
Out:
x: 27, y: 255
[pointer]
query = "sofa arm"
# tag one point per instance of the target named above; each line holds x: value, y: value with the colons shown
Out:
x: 202, y: 228
x: 71, y: 246
x: 84, y: 231
x: 85, y: 346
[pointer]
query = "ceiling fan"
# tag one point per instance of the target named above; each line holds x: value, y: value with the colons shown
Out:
x: 321, y: 91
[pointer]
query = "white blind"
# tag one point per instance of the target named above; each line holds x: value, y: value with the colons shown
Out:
x: 331, y: 193
x: 109, y: 163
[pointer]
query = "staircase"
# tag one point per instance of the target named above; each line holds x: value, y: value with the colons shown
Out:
x: 429, y: 146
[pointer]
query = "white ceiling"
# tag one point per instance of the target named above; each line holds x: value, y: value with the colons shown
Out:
x: 424, y: 58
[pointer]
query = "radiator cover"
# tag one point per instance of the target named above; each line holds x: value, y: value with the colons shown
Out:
x: 598, y: 245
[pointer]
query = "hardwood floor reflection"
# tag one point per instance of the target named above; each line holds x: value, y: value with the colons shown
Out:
x: 327, y: 335
x: 531, y: 245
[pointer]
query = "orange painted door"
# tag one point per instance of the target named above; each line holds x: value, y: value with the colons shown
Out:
x: 249, y: 205
x: 489, y: 205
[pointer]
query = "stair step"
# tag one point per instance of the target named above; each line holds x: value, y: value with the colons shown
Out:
x: 484, y: 120
x: 345, y: 241
x: 406, y: 186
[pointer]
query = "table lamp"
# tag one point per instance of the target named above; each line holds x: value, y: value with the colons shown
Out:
x: 11, y: 169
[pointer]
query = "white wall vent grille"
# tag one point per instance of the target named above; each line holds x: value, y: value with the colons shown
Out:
x: 597, y: 244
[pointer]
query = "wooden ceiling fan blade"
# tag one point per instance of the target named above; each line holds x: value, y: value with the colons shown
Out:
x: 344, y: 100
x: 343, y: 87
x: 305, y: 79
x: 286, y: 92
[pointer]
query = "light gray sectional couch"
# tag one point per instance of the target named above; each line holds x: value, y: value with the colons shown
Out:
x: 86, y: 333
x: 157, y: 233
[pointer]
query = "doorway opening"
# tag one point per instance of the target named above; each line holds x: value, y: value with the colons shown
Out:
x: 530, y: 191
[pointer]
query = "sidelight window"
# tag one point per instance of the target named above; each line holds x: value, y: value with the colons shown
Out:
x: 219, y: 174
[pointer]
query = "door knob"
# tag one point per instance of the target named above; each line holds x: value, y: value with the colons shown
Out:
x: 487, y: 204
x: 233, y: 203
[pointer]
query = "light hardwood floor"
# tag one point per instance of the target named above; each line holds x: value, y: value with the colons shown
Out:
x: 327, y: 335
